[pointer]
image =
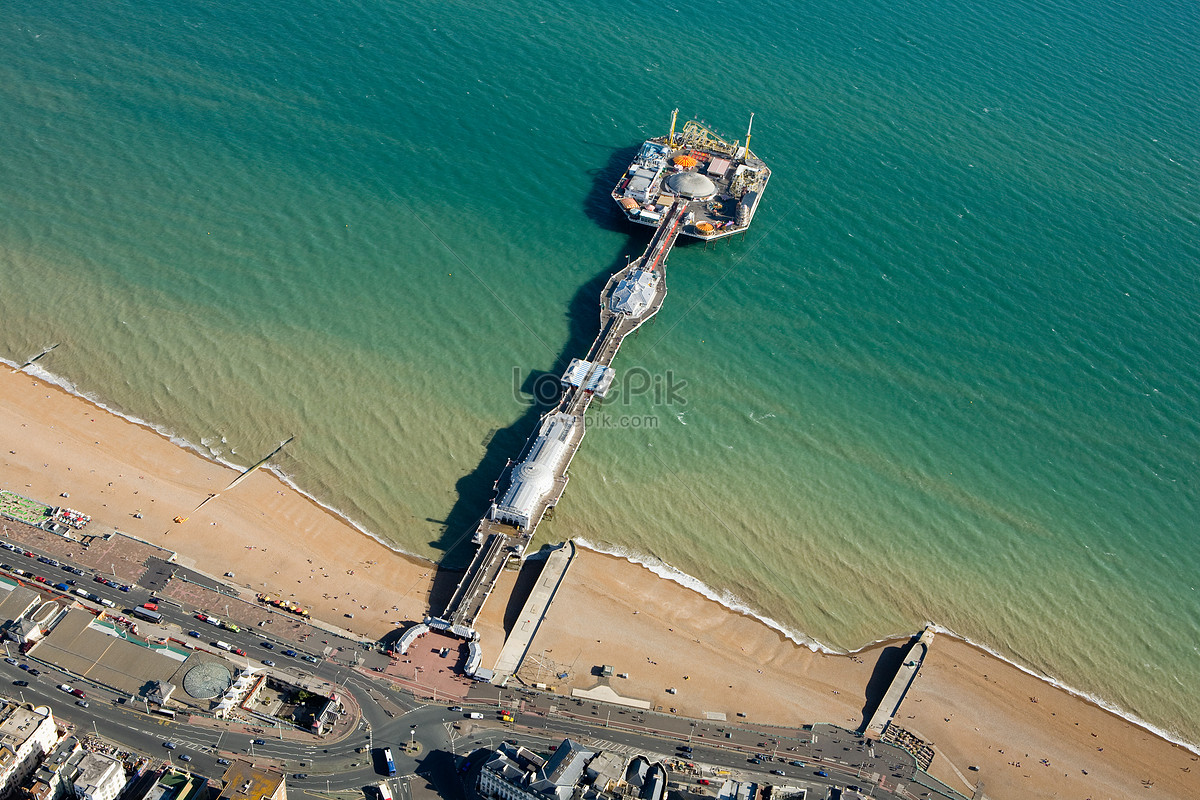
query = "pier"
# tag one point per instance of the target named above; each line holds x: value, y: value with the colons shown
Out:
x: 698, y: 185
x: 533, y: 484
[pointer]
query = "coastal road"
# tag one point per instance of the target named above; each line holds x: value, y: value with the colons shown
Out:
x: 392, y: 718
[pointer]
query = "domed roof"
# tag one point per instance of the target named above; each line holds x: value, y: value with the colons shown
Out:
x: 691, y: 185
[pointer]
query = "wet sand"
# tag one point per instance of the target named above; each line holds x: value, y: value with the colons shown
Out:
x: 975, y: 708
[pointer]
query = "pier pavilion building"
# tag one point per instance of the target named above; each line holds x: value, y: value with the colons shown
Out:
x: 534, y: 477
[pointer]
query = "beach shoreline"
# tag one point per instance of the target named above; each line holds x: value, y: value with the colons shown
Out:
x: 666, y: 631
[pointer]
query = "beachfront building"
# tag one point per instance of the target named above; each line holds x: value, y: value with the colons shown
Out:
x: 515, y: 773
x: 534, y: 477
x: 96, y: 776
x: 26, y: 735
x: 50, y: 781
x: 244, y: 781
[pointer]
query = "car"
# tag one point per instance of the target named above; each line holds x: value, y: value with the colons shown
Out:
x: 224, y: 762
x: 796, y: 763
x: 455, y: 708
x: 268, y: 662
x: 82, y: 703
x: 66, y: 567
x: 703, y: 781
x: 290, y: 653
x: 268, y: 645
x: 300, y: 776
x: 40, y: 579
x: 98, y: 579
x: 185, y: 757
x: 194, y: 634
x: 202, y: 617
x: 822, y: 773
x: 125, y: 588
x: 71, y: 583
x: 238, y: 651
x: 307, y: 658
x: 34, y: 672
x: 78, y: 693
x: 170, y: 745
x: 776, y: 772
x: 29, y: 554
x: 20, y: 683
x: 260, y: 741
x: 24, y: 666
x: 11, y: 660
x: 6, y: 566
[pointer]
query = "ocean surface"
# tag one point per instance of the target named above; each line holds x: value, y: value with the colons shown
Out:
x: 952, y: 374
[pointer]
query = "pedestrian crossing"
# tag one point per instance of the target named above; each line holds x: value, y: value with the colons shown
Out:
x: 625, y: 749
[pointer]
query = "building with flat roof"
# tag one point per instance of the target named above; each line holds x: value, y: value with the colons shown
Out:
x: 244, y: 781
x: 96, y: 776
x: 26, y: 735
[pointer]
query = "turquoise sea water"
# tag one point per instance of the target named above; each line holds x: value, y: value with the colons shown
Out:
x: 952, y: 374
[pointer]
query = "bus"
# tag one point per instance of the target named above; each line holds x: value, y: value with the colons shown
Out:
x: 385, y: 792
x: 147, y: 614
x: 388, y: 761
x: 164, y: 712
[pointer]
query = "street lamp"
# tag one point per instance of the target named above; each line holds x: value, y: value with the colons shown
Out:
x: 412, y: 738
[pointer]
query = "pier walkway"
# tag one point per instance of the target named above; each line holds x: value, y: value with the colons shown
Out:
x: 531, y: 486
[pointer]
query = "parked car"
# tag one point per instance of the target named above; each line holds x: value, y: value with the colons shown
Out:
x: 170, y: 745
x: 185, y: 757
x: 11, y: 660
x: 224, y: 762
x: 194, y: 634
x: 268, y: 662
x: 290, y: 653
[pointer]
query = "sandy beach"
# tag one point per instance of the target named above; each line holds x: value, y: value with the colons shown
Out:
x: 1028, y: 738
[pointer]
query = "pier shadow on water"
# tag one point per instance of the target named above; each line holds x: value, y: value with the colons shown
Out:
x: 476, y: 489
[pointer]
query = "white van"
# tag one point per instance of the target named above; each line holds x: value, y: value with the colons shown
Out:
x: 106, y: 602
x: 223, y: 645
